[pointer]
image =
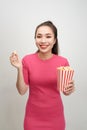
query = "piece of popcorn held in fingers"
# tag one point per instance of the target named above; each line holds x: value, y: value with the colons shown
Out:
x: 15, y: 52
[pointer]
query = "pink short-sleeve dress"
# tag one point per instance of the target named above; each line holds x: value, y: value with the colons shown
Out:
x: 44, y: 108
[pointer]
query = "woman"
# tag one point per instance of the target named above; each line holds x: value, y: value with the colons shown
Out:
x: 38, y: 72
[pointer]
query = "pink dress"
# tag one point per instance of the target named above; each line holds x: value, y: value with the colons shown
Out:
x: 44, y: 108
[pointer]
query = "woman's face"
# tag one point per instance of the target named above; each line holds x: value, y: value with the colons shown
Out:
x: 45, y: 39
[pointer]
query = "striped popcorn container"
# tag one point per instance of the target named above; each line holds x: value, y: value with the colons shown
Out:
x: 64, y: 75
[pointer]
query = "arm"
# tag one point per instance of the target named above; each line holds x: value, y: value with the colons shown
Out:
x: 20, y: 84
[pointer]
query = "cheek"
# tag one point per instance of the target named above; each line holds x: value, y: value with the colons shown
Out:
x: 52, y: 42
x: 37, y: 43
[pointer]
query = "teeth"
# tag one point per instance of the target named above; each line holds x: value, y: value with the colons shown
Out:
x: 44, y: 46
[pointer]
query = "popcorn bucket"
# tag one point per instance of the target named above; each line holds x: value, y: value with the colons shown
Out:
x: 64, y: 75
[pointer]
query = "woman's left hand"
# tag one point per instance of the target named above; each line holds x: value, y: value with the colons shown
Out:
x: 69, y: 89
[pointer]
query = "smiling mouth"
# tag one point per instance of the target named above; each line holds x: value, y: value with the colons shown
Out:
x: 43, y: 46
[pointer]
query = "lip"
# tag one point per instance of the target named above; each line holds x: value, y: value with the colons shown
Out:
x: 43, y: 46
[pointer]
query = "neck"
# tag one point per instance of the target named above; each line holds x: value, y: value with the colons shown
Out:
x: 45, y: 56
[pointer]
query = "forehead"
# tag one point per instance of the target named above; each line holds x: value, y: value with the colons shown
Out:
x: 44, y: 30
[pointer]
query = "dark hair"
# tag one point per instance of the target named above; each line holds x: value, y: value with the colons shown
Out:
x: 55, y: 49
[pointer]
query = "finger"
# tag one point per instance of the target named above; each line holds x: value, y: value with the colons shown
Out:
x: 68, y: 92
x: 14, y: 53
x: 14, y: 56
x: 13, y: 59
x: 71, y: 82
x: 69, y: 88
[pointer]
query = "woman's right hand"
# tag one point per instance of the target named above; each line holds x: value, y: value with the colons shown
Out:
x: 15, y: 60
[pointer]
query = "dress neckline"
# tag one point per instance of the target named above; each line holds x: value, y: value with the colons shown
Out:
x: 44, y: 60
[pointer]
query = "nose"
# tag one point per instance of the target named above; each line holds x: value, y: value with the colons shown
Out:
x: 43, y: 39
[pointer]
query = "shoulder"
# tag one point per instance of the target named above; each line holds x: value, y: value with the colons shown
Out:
x: 62, y: 60
x: 59, y: 57
x: 29, y: 56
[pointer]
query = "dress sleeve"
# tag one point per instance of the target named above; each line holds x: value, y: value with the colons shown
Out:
x: 25, y: 71
x: 66, y: 63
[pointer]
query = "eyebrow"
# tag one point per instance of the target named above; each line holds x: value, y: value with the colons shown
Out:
x: 45, y: 34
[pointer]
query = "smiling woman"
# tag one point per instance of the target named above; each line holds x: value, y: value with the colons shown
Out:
x: 38, y: 72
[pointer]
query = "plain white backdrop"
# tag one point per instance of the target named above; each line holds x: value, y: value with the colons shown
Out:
x: 18, y: 20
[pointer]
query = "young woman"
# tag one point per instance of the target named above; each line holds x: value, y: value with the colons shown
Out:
x: 38, y: 73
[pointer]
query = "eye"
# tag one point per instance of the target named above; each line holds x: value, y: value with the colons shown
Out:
x: 48, y: 36
x: 38, y: 36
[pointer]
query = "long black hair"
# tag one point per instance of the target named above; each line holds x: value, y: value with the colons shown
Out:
x: 55, y: 49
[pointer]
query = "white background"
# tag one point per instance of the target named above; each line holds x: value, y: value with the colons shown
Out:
x: 18, y: 20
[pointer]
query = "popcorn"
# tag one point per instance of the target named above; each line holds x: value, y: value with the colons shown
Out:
x: 64, y: 75
x: 15, y: 52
